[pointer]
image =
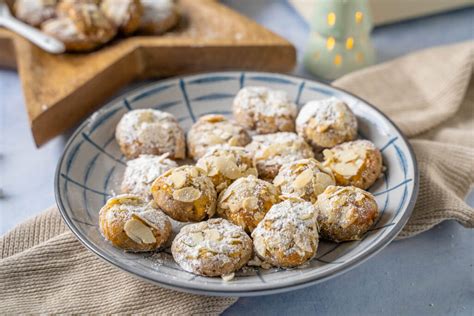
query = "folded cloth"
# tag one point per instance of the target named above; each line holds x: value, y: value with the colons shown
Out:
x: 430, y: 95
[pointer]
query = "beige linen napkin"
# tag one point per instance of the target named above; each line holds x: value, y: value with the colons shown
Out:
x: 44, y: 269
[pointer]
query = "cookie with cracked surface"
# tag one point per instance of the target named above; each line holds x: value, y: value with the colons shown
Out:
x: 131, y: 223
x: 345, y: 213
x: 152, y: 132
x: 212, y: 248
x: 186, y: 194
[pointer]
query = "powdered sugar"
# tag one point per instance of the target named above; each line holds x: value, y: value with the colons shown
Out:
x: 326, y: 112
x: 142, y: 171
x: 262, y: 100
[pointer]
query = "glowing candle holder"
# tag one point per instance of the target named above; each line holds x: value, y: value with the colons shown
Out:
x: 340, y: 38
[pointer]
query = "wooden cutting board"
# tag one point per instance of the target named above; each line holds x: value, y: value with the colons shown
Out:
x: 60, y: 90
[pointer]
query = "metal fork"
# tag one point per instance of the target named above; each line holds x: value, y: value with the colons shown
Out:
x: 46, y: 42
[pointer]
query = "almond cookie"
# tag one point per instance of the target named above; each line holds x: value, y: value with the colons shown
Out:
x: 152, y: 132
x: 305, y: 179
x: 357, y: 163
x: 224, y: 164
x: 185, y: 193
x: 271, y: 151
x: 246, y: 201
x: 80, y: 26
x: 130, y: 223
x: 35, y: 12
x: 326, y: 123
x: 345, y: 213
x: 212, y: 248
x: 142, y: 171
x: 125, y: 15
x: 158, y: 16
x: 214, y: 129
x: 288, y: 235
x: 264, y: 110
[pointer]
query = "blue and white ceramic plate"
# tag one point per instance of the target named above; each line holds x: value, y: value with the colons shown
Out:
x: 92, y: 165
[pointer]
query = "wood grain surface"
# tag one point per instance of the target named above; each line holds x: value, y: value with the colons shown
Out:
x: 60, y: 90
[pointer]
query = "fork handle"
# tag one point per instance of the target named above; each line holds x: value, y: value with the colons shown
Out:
x: 46, y: 42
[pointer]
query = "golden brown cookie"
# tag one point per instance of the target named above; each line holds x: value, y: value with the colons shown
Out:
x: 125, y: 15
x: 214, y: 129
x: 159, y: 16
x: 80, y: 26
x: 288, y: 235
x: 264, y: 110
x: 131, y: 223
x: 152, y: 132
x: 357, y: 163
x: 305, y: 179
x: 185, y: 193
x: 212, y: 248
x: 246, y: 201
x: 224, y: 164
x: 271, y: 151
x: 345, y: 213
x: 326, y: 123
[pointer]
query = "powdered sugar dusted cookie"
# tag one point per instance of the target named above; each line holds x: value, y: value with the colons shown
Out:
x: 288, y: 235
x: 326, y: 123
x: 158, y: 16
x: 214, y: 129
x: 212, y: 248
x: 152, y: 132
x: 185, y: 193
x: 264, y: 110
x: 224, y: 164
x: 271, y: 151
x: 125, y: 15
x: 131, y: 223
x: 81, y: 26
x: 35, y: 12
x: 305, y: 179
x: 246, y: 201
x: 345, y: 213
x: 142, y: 171
x: 357, y: 163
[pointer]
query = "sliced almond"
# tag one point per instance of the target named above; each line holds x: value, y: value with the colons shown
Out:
x: 324, y: 179
x: 328, y: 154
x: 213, y: 234
x: 251, y: 172
x: 178, y: 178
x: 228, y: 277
x: 260, y: 247
x: 233, y: 141
x: 193, y: 172
x: 303, y: 179
x: 279, y: 180
x: 250, y: 204
x: 213, y: 140
x: 196, y: 238
x: 139, y: 232
x: 306, y: 216
x: 226, y: 194
x: 322, y: 128
x: 212, y: 118
x: 346, y: 169
x: 230, y: 170
x: 187, y: 194
x: 150, y: 218
x: 347, y: 155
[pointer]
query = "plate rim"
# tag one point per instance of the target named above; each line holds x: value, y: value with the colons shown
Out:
x: 362, y: 257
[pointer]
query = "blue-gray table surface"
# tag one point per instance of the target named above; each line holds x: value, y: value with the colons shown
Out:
x: 430, y: 274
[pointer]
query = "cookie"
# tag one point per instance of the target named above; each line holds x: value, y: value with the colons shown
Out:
x: 125, y: 15
x: 326, y: 123
x: 305, y: 179
x: 211, y: 130
x: 159, y: 16
x: 152, y: 132
x: 271, y: 151
x: 288, y: 236
x: 345, y: 213
x: 132, y: 224
x: 264, y: 110
x: 186, y: 194
x: 246, y: 201
x: 212, y: 248
x: 35, y: 12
